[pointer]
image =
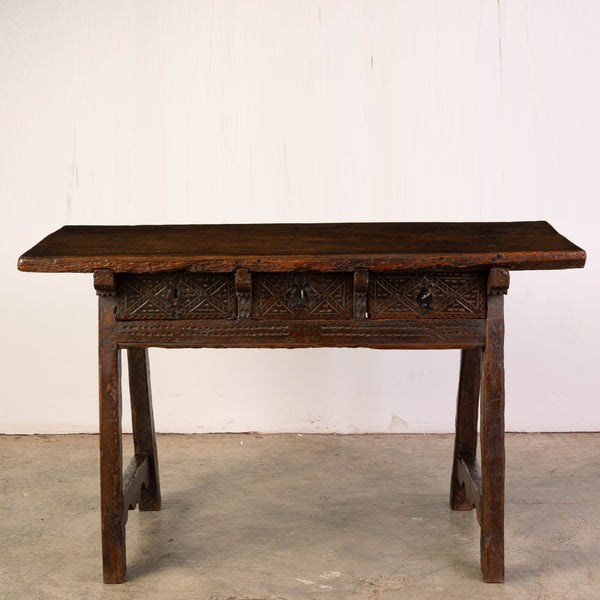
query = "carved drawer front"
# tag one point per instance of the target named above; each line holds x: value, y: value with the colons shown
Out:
x: 310, y: 295
x: 176, y: 296
x: 429, y: 296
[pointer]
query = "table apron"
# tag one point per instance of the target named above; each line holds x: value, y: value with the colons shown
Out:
x: 250, y: 333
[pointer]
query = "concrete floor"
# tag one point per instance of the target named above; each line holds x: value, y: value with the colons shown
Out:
x: 300, y: 517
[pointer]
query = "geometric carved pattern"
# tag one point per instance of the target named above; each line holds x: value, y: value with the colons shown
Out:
x: 405, y: 333
x: 206, y: 296
x: 236, y: 332
x: 430, y: 295
x: 309, y: 295
x: 302, y: 333
x: 176, y: 296
x: 301, y: 296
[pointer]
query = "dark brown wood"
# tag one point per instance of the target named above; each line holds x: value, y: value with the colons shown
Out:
x: 361, y: 290
x: 427, y: 295
x: 366, y: 333
x: 467, y: 412
x: 135, y: 478
x: 243, y: 292
x: 468, y: 474
x: 378, y: 285
x: 492, y: 433
x: 104, y: 282
x: 111, y: 453
x: 176, y: 296
x: 303, y: 295
x: 498, y: 281
x: 144, y: 439
x: 304, y: 246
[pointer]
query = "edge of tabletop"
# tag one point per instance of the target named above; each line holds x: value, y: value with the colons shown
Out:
x: 39, y: 260
x: 421, y: 262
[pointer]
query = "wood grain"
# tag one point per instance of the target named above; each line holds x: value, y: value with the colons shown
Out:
x: 142, y: 417
x: 467, y: 411
x: 378, y: 285
x: 291, y: 247
x: 492, y: 435
x: 468, y: 473
x: 250, y: 333
x: 135, y: 478
x: 111, y: 452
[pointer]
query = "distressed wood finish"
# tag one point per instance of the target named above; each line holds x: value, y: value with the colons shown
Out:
x: 243, y: 292
x: 142, y: 418
x: 111, y: 452
x: 429, y: 296
x: 467, y: 411
x: 378, y: 285
x: 135, y: 478
x: 468, y: 475
x: 361, y: 291
x: 304, y: 246
x: 104, y: 282
x: 304, y: 295
x: 424, y: 333
x: 492, y: 432
x: 176, y: 296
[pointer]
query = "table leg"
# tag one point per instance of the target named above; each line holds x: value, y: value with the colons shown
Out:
x: 111, y: 454
x: 467, y: 410
x: 492, y: 443
x: 144, y: 439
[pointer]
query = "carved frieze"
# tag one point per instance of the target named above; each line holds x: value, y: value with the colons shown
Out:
x: 303, y: 333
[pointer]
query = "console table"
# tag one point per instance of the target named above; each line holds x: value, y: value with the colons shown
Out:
x: 377, y: 285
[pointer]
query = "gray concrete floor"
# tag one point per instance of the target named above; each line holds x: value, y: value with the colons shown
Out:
x: 300, y: 517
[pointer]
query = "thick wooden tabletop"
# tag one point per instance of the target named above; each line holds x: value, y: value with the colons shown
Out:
x: 278, y: 247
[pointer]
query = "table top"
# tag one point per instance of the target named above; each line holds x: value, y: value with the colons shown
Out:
x: 322, y: 246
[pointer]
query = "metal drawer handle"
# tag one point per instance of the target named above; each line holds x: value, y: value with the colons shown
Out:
x: 425, y: 299
x: 300, y: 297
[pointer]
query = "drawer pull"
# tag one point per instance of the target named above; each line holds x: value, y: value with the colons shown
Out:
x: 309, y: 295
x: 300, y: 297
x: 397, y: 295
x: 425, y: 299
x: 177, y: 295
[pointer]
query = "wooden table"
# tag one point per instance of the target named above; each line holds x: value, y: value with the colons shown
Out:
x: 377, y: 285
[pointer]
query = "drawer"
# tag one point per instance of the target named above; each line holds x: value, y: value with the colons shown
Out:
x: 432, y: 295
x: 310, y: 295
x: 301, y: 296
x: 176, y: 296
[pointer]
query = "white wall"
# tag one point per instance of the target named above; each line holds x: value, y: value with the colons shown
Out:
x: 277, y: 110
